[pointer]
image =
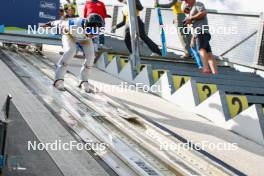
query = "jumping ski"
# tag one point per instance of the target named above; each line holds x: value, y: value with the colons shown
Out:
x: 196, y: 57
x: 162, y: 32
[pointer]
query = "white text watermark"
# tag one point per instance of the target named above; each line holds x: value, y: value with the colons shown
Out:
x: 58, y: 145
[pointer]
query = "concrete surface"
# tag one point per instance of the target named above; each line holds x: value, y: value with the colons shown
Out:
x: 248, y: 157
x: 18, y: 136
x: 46, y: 129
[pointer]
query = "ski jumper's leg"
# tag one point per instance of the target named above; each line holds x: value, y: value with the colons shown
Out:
x: 96, y: 43
x: 152, y: 46
x: 69, y: 48
x: 128, y: 39
x: 88, y: 49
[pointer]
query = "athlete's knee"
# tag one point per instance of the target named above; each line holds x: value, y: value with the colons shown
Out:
x: 89, y: 56
x: 70, y: 51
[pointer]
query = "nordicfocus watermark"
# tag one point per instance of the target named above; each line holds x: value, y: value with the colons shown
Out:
x: 203, y: 145
x: 168, y: 29
x: 126, y: 87
x: 59, y: 30
x: 58, y: 145
x: 219, y: 30
x: 190, y: 145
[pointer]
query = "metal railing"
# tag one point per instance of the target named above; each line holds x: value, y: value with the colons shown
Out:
x: 241, y: 47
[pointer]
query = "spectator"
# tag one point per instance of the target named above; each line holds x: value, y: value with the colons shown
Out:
x: 185, y: 38
x: 97, y: 7
x: 201, y: 35
x: 154, y: 48
x: 73, y: 4
x: 70, y: 13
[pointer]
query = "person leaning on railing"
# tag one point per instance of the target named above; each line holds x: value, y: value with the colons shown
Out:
x: 201, y: 34
x: 153, y: 47
x: 185, y: 37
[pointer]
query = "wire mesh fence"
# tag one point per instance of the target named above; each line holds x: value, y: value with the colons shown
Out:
x: 234, y: 35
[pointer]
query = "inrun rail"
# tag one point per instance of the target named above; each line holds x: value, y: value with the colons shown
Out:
x: 98, y: 118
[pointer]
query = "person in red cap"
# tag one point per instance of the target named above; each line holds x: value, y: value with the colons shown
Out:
x: 96, y: 7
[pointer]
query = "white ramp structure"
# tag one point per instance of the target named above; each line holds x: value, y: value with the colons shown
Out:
x: 214, y: 109
x: 113, y: 67
x: 145, y: 77
x: 102, y: 62
x: 126, y: 73
x: 186, y: 96
x: 249, y: 123
x: 228, y: 111
x: 163, y: 87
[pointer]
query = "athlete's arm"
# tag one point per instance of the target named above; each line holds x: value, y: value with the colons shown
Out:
x: 55, y: 23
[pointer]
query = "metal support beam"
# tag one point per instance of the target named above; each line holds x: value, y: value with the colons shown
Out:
x: 114, y: 18
x: 134, y: 33
x: 3, y: 132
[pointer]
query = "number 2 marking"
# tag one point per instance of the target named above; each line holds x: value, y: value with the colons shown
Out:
x: 237, y: 101
x: 209, y: 91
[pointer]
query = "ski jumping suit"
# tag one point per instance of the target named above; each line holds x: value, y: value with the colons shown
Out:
x: 69, y: 47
